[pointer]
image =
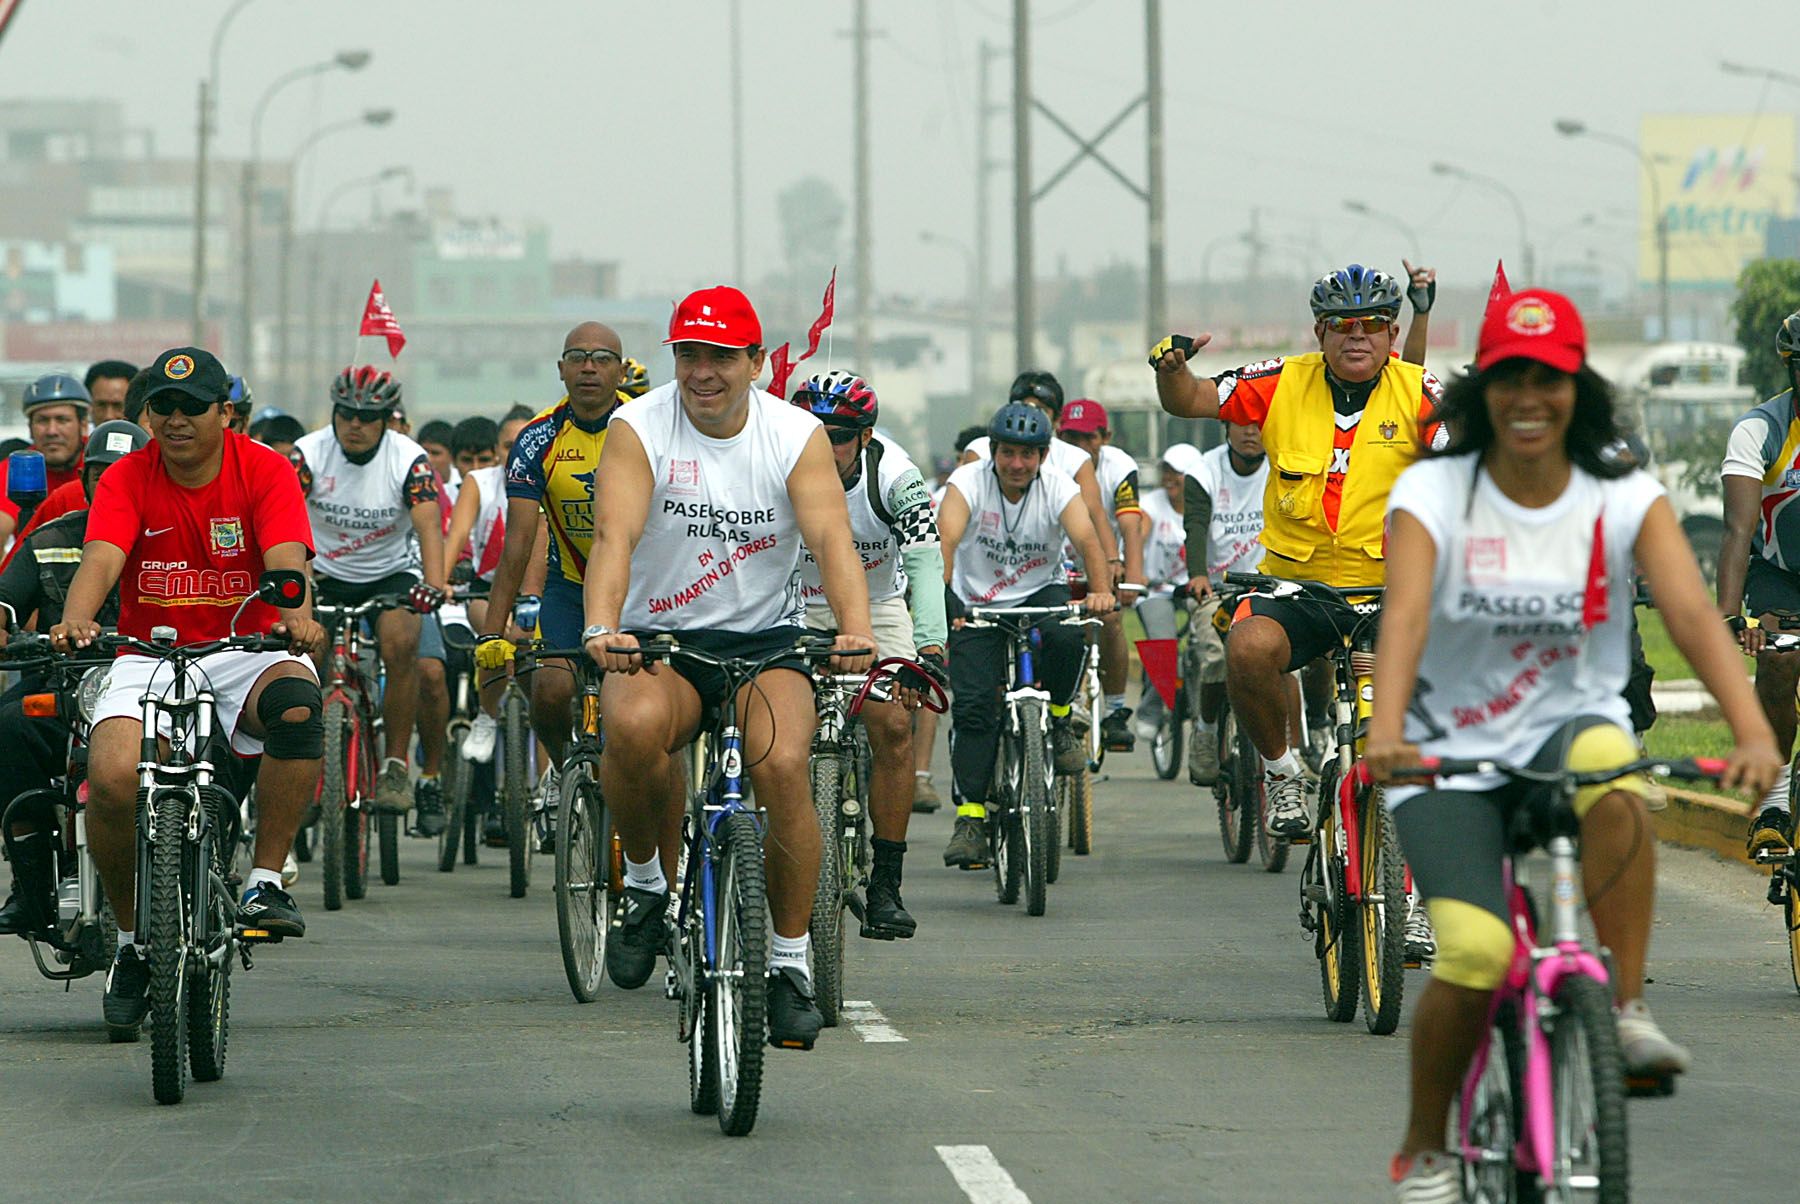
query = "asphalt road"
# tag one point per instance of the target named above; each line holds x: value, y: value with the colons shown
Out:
x: 1156, y: 1036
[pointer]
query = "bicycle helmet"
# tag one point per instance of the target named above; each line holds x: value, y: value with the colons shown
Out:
x: 1356, y: 290
x: 58, y: 388
x: 637, y: 379
x: 113, y: 441
x: 366, y: 388
x: 241, y: 396
x: 837, y: 398
x: 1021, y: 423
x: 1787, y: 339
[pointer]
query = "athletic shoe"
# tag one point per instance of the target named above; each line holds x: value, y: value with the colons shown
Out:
x: 493, y: 829
x: 1287, y: 805
x: 925, y: 796
x: 1203, y: 756
x: 393, y: 789
x: 290, y: 870
x: 1149, y: 715
x: 884, y: 916
x: 794, y: 1019
x: 1648, y: 1051
x: 968, y: 847
x: 428, y: 802
x: 1115, y: 731
x: 1772, y: 831
x: 641, y: 934
x: 549, y: 795
x: 127, y: 998
x: 1434, y: 1177
x: 272, y: 909
x: 478, y: 745
x: 1421, y: 941
x: 1068, y: 744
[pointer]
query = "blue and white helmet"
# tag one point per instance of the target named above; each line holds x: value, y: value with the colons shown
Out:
x: 1356, y: 290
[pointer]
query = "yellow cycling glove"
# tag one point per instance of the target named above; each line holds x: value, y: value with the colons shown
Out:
x: 494, y: 652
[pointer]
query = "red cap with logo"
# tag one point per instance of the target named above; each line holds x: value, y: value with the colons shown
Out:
x: 720, y: 315
x: 1535, y: 325
x: 1084, y: 416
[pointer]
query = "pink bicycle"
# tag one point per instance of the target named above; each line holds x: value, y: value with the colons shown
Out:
x: 1541, y: 1115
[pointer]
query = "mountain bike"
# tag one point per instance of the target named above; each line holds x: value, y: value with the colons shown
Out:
x: 841, y: 767
x: 462, y: 820
x: 1784, y: 864
x: 1022, y: 816
x: 530, y: 825
x: 719, y: 957
x: 1541, y: 1114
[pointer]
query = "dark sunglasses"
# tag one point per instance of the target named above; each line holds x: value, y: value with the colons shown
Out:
x: 352, y: 414
x: 1370, y: 324
x: 840, y: 435
x: 168, y: 402
x: 575, y: 357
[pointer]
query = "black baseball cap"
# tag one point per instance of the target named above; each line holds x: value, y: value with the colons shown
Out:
x: 191, y: 370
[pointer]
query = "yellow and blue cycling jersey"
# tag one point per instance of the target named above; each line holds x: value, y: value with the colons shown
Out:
x: 553, y: 464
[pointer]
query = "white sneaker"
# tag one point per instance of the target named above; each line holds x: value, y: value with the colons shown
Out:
x: 1647, y: 1049
x: 1203, y: 755
x: 1287, y: 805
x: 478, y: 745
x: 1421, y: 941
x: 1434, y: 1177
x: 290, y: 870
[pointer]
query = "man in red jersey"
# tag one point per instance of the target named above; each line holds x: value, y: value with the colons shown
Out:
x: 184, y: 528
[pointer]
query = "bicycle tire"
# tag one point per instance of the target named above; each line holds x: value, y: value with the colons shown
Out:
x: 826, y: 926
x: 1166, y: 744
x: 1081, y: 813
x: 472, y: 825
x: 360, y: 765
x: 703, y: 1069
x: 1003, y: 852
x: 1489, y: 1115
x: 1271, y: 849
x: 1587, y: 1076
x: 1383, y: 921
x: 209, y: 987
x: 456, y: 800
x: 356, y: 853
x: 305, y: 837
x: 1229, y: 792
x: 1035, y: 829
x: 740, y: 999
x: 1792, y: 913
x: 515, y: 794
x: 333, y: 804
x: 387, y: 828
x: 1093, y: 699
x: 583, y: 904
x: 167, y: 952
x: 1337, y: 942
x: 1059, y: 802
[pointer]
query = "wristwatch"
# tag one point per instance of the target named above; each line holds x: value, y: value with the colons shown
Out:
x: 595, y: 632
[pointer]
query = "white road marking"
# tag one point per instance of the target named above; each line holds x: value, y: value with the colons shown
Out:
x: 869, y: 1023
x: 980, y: 1175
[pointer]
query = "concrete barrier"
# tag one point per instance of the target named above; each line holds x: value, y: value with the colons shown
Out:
x: 1705, y: 821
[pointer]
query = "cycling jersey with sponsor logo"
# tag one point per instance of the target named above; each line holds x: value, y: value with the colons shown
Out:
x: 889, y: 510
x: 1237, y: 513
x: 552, y: 463
x: 1765, y: 445
x: 362, y: 513
x: 720, y: 547
x: 193, y: 555
x: 1010, y: 550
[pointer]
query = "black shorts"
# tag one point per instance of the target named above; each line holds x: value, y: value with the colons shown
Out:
x: 1315, y: 626
x: 710, y: 682
x: 1770, y: 590
x: 354, y: 593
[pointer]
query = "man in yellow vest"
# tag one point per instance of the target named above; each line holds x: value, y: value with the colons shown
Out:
x: 1339, y: 425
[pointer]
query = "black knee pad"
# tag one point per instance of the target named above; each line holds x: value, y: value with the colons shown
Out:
x: 288, y: 740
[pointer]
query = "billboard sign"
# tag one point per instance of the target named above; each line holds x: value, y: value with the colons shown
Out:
x: 1721, y: 179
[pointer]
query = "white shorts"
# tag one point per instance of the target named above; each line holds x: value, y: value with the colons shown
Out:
x: 231, y: 675
x: 889, y: 617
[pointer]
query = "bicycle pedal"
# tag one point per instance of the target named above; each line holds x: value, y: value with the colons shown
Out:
x: 1650, y: 1086
x: 1778, y: 890
x: 882, y: 934
x: 259, y: 936
x: 1314, y: 892
x: 854, y: 901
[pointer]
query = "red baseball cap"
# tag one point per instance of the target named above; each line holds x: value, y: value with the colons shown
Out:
x: 1084, y: 416
x: 1536, y: 325
x: 720, y: 315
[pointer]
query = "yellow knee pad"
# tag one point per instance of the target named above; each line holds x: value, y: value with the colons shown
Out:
x: 1602, y: 747
x: 1474, y: 946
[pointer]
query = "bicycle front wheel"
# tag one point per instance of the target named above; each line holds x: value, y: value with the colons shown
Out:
x: 515, y: 792
x: 1383, y: 908
x: 1792, y: 911
x: 456, y: 801
x: 1587, y: 1083
x: 334, y: 801
x: 209, y: 983
x: 1081, y: 813
x: 169, y: 863
x: 1035, y: 828
x: 737, y: 993
x: 1166, y: 743
x: 1337, y: 940
x: 583, y: 905
x: 387, y: 827
x: 1230, y: 789
x: 827, y: 924
x: 1488, y: 1114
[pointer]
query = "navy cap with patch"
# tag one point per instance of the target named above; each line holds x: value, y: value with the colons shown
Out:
x: 191, y: 370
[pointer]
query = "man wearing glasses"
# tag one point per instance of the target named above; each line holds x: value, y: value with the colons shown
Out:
x: 550, y: 472
x: 373, y: 500
x: 1339, y: 426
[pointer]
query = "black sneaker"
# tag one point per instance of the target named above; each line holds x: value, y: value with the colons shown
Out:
x: 1772, y: 832
x: 642, y: 933
x: 884, y: 915
x: 968, y: 847
x: 794, y: 1019
x: 267, y: 907
x: 127, y: 998
x: 428, y: 806
x: 493, y: 829
x: 1115, y: 731
x: 1069, y: 746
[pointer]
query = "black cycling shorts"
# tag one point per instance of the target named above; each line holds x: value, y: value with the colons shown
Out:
x: 1771, y: 590
x: 710, y: 682
x: 1314, y: 626
x: 333, y: 592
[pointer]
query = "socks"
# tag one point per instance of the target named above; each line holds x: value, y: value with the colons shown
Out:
x: 127, y: 938
x: 971, y: 811
x: 646, y: 875
x: 1115, y: 702
x: 261, y: 877
x: 1286, y: 766
x: 1059, y: 710
x: 400, y: 761
x: 1778, y: 794
x: 789, y: 953
x: 922, y: 773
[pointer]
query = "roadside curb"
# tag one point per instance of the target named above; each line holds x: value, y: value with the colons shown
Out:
x: 1704, y: 821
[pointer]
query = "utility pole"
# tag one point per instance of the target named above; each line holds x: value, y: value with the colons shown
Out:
x: 1156, y: 281
x: 985, y: 166
x: 865, y: 284
x: 1024, y: 284
x: 198, y: 332
x: 737, y: 150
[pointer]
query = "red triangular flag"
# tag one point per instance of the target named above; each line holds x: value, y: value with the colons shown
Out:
x: 379, y: 320
x: 824, y: 318
x: 1160, y: 661
x: 779, y: 371
x: 1500, y: 292
x: 1595, y: 598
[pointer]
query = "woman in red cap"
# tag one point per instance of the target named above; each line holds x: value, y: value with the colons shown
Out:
x: 1505, y: 634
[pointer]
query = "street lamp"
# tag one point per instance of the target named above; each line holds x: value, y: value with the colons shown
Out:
x: 1570, y: 128
x: 344, y: 60
x: 977, y: 315
x: 1461, y: 173
x: 1363, y: 210
x: 209, y: 94
x: 1768, y: 73
x: 311, y: 360
x: 370, y: 117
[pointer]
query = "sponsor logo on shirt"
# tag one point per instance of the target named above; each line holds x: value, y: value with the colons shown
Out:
x: 173, y: 583
x: 1790, y: 479
x: 1485, y: 555
x: 684, y: 476
x: 1389, y: 429
x: 227, y: 536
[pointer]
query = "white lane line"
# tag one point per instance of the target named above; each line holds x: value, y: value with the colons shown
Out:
x: 869, y: 1023
x: 980, y: 1175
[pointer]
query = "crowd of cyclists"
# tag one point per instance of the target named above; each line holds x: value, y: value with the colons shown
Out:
x: 1504, y: 519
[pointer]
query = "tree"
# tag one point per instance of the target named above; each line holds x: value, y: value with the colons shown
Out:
x: 1768, y: 291
x: 811, y: 215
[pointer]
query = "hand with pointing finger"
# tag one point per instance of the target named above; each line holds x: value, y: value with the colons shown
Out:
x: 1421, y: 287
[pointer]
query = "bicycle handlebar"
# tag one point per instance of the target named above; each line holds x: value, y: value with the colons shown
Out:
x: 1261, y: 581
x: 1687, y: 769
x: 327, y: 612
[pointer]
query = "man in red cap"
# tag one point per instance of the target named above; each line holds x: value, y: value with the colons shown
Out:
x: 1083, y: 423
x: 706, y: 490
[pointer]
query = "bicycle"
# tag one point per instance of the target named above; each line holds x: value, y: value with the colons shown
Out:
x: 1238, y: 787
x: 1541, y: 1113
x: 1023, y: 816
x: 1354, y: 886
x: 529, y: 826
x: 1784, y: 864
x: 840, y: 770
x: 462, y: 822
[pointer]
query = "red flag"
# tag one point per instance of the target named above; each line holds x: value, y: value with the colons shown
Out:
x: 1596, y: 597
x: 1500, y: 292
x: 378, y: 319
x: 8, y: 10
x: 779, y: 371
x: 824, y: 318
x: 1159, y: 659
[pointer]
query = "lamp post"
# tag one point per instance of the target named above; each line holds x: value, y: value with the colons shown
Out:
x: 346, y: 60
x: 1363, y: 210
x: 977, y: 316
x: 1569, y: 128
x: 1768, y: 73
x: 370, y: 117
x: 311, y: 360
x: 1473, y: 177
x: 209, y: 96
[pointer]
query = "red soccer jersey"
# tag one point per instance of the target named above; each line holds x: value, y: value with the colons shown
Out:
x: 193, y: 555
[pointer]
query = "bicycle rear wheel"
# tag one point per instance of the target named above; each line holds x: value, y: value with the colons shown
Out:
x: 690, y: 986
x: 1488, y: 1115
x: 1003, y: 820
x: 1036, y: 832
x: 167, y: 947
x: 1337, y: 940
x: 515, y: 791
x: 209, y: 984
x: 1166, y: 743
x: 387, y: 828
x: 1792, y: 912
x: 1059, y: 804
x: 827, y: 924
x: 1081, y: 813
x: 583, y: 904
x: 456, y: 801
x: 1254, y: 805
x: 1383, y: 908
x: 333, y: 803
x: 1587, y: 1083
x: 360, y: 785
x: 1230, y: 790
x: 737, y: 996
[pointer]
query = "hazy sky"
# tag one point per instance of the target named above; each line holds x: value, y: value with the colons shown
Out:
x: 610, y: 121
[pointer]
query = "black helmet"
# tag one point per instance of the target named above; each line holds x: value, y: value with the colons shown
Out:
x: 58, y: 388
x: 113, y: 441
x: 1021, y: 423
x: 1787, y: 339
x: 1356, y: 290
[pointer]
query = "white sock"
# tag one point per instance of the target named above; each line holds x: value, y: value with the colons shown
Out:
x: 1778, y: 794
x: 1285, y: 766
x: 400, y: 761
x: 789, y: 952
x: 922, y: 773
x: 127, y: 938
x: 1205, y: 725
x: 259, y: 876
x: 646, y: 875
x: 1115, y: 702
